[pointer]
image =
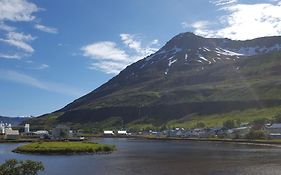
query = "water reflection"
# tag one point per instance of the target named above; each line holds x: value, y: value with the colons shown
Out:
x: 162, y: 157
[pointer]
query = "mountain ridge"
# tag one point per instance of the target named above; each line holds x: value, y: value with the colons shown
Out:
x: 189, y: 71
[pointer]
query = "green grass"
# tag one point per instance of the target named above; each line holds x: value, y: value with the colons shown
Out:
x: 64, y: 148
x: 248, y: 115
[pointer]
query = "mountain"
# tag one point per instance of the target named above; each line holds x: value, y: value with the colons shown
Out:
x: 188, y: 79
x: 14, y: 121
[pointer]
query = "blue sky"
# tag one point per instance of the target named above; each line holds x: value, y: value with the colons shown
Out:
x: 52, y: 52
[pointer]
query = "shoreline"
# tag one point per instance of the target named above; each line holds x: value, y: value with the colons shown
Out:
x: 18, y: 141
x: 271, y: 143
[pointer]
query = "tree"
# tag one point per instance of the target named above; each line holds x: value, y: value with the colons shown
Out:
x: 200, y: 125
x: 277, y: 118
x: 259, y: 123
x: 16, y: 167
x: 229, y: 124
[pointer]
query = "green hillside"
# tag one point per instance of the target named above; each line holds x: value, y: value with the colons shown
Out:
x: 244, y: 88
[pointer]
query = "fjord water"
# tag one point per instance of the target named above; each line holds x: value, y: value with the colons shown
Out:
x: 143, y: 157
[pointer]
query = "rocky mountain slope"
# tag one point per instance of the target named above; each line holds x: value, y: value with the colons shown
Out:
x: 189, y: 75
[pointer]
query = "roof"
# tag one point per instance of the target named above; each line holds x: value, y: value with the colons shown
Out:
x: 275, y: 126
x: 275, y: 134
x: 241, y: 128
x: 108, y: 132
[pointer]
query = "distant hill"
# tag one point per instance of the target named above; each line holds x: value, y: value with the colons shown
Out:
x: 12, y: 120
x: 190, y: 79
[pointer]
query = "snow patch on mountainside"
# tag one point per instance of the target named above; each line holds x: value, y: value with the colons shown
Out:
x: 227, y: 52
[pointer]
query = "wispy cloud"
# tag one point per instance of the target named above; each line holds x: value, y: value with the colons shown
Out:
x: 46, y: 28
x: 19, y: 40
x: 111, y: 59
x: 17, y: 43
x: 6, y: 27
x: 7, y: 56
x: 243, y: 21
x: 17, y: 10
x: 16, y: 77
x: 223, y: 2
x: 43, y: 66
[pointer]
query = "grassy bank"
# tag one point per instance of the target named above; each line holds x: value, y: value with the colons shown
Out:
x: 64, y: 148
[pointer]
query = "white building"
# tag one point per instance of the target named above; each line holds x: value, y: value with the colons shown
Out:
x: 11, y: 134
x: 108, y: 133
x: 4, y: 127
x: 122, y: 132
x: 26, y: 128
x: 41, y: 132
x: 274, y: 130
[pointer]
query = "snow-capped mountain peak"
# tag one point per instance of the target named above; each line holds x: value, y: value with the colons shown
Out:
x: 190, y: 49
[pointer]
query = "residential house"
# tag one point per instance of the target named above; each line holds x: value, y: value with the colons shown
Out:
x: 274, y: 131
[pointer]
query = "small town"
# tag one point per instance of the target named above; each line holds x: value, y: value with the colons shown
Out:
x: 259, y: 129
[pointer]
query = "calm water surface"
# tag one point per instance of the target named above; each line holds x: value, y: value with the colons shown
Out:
x: 162, y: 157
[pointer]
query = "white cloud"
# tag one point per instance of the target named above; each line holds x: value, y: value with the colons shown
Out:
x: 21, y: 78
x: 18, y: 43
x: 200, y: 24
x: 46, y: 28
x: 43, y: 66
x: 133, y: 42
x: 223, y: 2
x: 7, y: 56
x: 109, y: 67
x: 17, y: 10
x: 105, y: 50
x: 5, y: 27
x: 154, y: 42
x: 130, y: 41
x: 244, y: 21
x: 19, y: 40
x: 111, y: 59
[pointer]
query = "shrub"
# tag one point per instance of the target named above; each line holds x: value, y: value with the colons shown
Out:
x: 255, y: 134
x: 15, y: 167
x: 229, y: 124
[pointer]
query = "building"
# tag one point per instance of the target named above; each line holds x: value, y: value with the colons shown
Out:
x: 108, y: 133
x: 41, y: 132
x: 26, y: 128
x: 61, y: 132
x: 11, y: 134
x: 274, y: 131
x: 240, y: 132
x: 2, y: 128
x: 122, y: 132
